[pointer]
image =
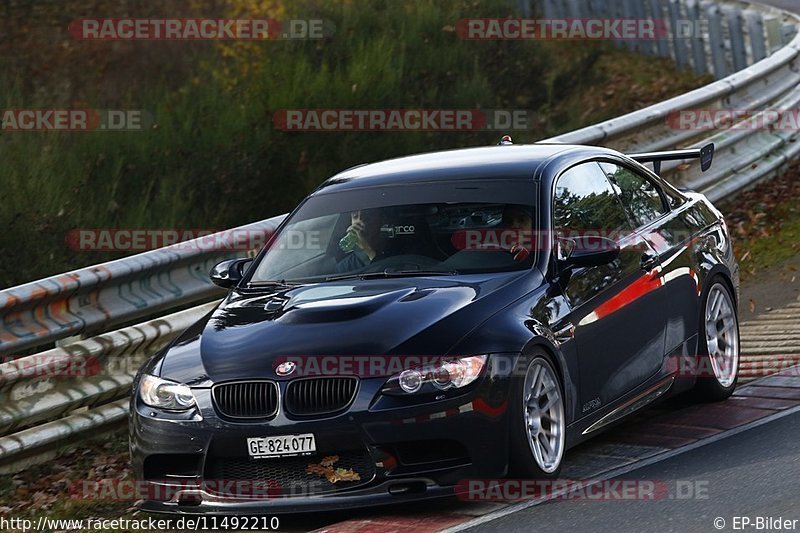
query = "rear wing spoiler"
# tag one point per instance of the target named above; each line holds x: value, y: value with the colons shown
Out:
x: 704, y: 154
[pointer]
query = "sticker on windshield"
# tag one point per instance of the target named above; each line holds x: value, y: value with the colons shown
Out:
x: 391, y: 231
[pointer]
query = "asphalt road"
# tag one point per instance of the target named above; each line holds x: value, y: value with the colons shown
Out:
x: 313, y: 521
x: 755, y: 473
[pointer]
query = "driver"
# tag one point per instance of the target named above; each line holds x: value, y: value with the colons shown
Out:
x: 520, y: 221
x: 365, y: 229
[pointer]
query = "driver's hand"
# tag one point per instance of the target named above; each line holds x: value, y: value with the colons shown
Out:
x: 358, y: 228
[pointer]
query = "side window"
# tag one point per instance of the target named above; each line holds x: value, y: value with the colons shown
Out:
x: 584, y: 200
x: 586, y: 203
x: 639, y: 195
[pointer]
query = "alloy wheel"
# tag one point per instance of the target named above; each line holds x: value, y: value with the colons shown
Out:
x: 722, y: 335
x: 544, y: 415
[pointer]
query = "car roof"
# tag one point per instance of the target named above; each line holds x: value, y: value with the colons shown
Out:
x: 515, y: 162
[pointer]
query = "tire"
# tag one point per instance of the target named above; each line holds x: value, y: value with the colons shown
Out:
x: 718, y: 345
x: 546, y: 415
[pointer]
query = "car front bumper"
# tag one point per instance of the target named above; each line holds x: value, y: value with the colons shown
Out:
x: 404, y: 453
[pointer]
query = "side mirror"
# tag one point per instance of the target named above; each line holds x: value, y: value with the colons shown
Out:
x: 229, y: 273
x: 586, y: 251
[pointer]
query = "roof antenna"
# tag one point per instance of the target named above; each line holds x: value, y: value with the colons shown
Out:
x: 505, y: 140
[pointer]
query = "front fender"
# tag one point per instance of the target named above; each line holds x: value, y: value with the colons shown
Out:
x: 522, y: 328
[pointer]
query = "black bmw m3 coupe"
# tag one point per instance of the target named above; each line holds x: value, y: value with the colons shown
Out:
x: 431, y: 319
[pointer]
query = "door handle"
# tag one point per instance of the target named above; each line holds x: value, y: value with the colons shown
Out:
x: 649, y: 262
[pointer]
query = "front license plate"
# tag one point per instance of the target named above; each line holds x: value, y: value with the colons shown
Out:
x: 281, y: 446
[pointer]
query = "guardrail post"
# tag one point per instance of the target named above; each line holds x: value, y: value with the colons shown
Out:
x: 774, y: 33
x: 598, y: 8
x: 645, y: 46
x: 678, y: 44
x: 575, y: 9
x: 559, y: 11
x: 628, y: 8
x: 718, y: 56
x: 789, y: 32
x: 698, y: 45
x: 647, y: 12
x: 616, y: 10
x: 657, y: 13
x: 549, y: 9
x: 755, y: 31
x: 736, y: 38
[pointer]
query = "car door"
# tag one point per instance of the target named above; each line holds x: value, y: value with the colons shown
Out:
x: 668, y: 232
x: 617, y: 309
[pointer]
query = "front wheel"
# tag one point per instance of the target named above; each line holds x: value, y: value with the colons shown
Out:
x: 538, y: 422
x: 718, y: 345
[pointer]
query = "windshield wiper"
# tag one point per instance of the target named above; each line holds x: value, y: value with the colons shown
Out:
x: 271, y: 284
x: 392, y: 274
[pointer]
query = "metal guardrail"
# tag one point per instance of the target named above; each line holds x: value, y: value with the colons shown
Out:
x: 51, y: 396
x: 60, y: 394
x: 744, y: 155
x: 733, y: 34
x: 94, y: 299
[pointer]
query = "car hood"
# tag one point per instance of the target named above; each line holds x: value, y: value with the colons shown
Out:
x: 248, y: 334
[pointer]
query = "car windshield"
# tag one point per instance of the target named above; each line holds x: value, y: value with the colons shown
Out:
x: 395, y: 231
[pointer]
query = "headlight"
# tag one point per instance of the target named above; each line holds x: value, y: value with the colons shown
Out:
x: 410, y: 380
x: 449, y: 374
x: 165, y: 394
